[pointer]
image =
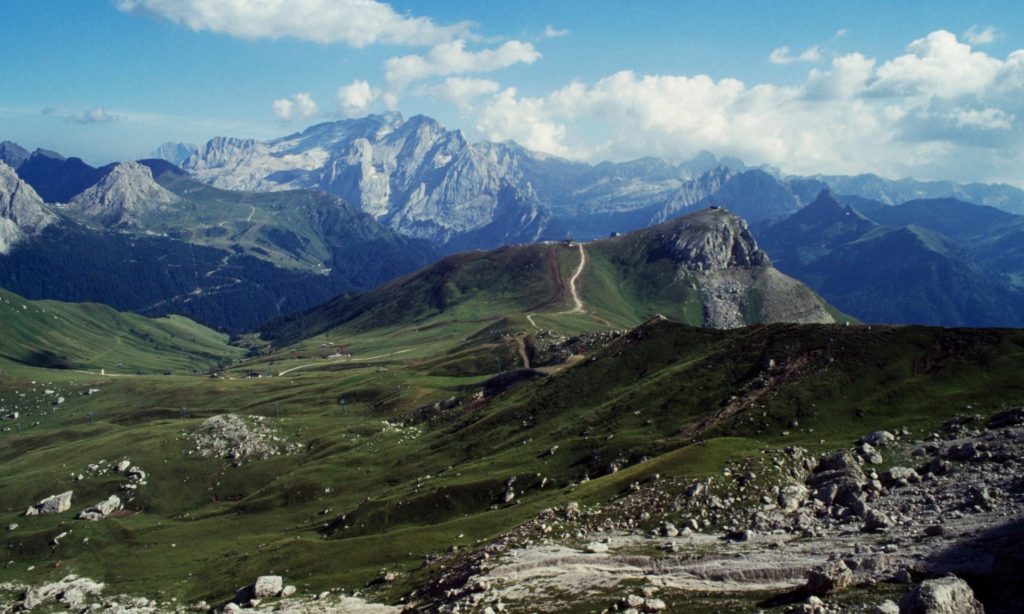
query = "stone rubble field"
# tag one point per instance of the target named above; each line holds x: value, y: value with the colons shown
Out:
x: 796, y: 532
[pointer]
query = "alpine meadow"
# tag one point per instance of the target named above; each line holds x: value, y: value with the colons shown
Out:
x: 584, y: 307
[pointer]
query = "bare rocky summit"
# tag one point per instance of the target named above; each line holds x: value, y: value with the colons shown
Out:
x: 714, y: 252
x: 123, y: 196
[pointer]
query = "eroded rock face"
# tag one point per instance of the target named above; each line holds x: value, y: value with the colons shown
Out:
x: 413, y: 175
x: 125, y: 194
x: 714, y: 240
x: 22, y: 211
x: 948, y: 595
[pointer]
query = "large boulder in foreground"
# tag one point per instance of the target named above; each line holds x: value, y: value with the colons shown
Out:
x: 948, y: 595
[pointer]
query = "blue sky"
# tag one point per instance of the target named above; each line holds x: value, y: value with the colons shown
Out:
x: 931, y: 90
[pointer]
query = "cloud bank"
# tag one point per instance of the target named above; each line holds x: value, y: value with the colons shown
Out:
x: 354, y: 22
x: 941, y: 109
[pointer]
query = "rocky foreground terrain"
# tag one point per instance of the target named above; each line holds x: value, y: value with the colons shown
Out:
x: 897, y: 523
x: 876, y: 528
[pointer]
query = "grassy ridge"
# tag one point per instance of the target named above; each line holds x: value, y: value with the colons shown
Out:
x: 91, y: 336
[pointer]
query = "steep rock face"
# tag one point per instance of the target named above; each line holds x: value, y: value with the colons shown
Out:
x: 22, y: 212
x: 12, y: 154
x: 715, y: 240
x: 716, y: 260
x: 175, y: 153
x: 126, y: 193
x: 754, y: 194
x: 415, y: 176
x: 692, y: 193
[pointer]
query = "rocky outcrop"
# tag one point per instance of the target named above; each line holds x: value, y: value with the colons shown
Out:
x: 714, y: 240
x: 123, y: 196
x: 22, y: 212
x: 54, y: 504
x: 101, y: 510
x: 829, y: 579
x: 948, y: 595
x: 12, y: 154
x: 238, y: 438
x: 714, y: 253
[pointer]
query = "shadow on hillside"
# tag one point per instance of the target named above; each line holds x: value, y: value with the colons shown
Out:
x: 992, y: 562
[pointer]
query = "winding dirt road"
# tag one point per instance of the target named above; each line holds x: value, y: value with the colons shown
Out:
x: 575, y: 276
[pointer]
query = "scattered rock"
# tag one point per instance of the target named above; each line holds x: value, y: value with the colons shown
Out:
x: 596, y: 548
x: 792, y: 496
x: 1011, y: 417
x: 900, y: 476
x: 235, y: 438
x: 887, y: 607
x: 879, y: 439
x: 828, y: 579
x: 876, y: 521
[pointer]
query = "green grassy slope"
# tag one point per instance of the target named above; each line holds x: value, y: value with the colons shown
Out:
x: 389, y: 477
x: 91, y: 336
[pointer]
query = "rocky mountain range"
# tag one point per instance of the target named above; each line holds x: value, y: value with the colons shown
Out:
x: 424, y: 180
x: 145, y: 237
x: 304, y: 203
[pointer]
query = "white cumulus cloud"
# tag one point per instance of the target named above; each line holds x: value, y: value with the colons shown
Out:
x: 940, y: 110
x: 525, y: 120
x: 354, y: 22
x: 463, y: 91
x: 937, y: 65
x: 356, y: 97
x: 299, y: 106
x: 452, y: 58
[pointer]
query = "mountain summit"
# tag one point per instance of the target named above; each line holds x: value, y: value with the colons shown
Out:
x: 127, y: 192
x: 714, y: 240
